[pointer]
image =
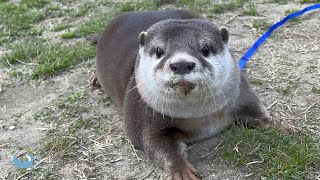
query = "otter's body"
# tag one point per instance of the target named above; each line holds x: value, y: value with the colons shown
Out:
x: 175, y: 84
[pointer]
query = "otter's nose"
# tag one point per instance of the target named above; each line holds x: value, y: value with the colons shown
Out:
x: 182, y: 67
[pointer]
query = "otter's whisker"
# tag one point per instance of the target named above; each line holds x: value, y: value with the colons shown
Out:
x: 132, y: 88
x: 227, y: 103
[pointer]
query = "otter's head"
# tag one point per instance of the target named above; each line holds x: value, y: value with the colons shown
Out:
x: 184, y: 68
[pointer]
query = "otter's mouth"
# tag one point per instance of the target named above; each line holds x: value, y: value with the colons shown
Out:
x: 184, y: 87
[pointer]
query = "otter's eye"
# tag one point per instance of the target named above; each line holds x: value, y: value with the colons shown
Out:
x: 205, y: 51
x: 159, y: 52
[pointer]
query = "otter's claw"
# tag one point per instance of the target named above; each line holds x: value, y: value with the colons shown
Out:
x: 94, y: 81
x: 189, y: 173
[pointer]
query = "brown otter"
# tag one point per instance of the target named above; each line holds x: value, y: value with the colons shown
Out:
x: 173, y: 76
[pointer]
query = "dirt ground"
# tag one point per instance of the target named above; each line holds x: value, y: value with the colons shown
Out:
x: 286, y: 67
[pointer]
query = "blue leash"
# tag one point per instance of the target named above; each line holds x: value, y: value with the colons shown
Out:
x: 253, y: 48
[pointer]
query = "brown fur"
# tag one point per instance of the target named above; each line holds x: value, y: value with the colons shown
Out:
x: 158, y: 135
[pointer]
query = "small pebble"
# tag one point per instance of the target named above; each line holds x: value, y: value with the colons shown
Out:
x: 12, y: 128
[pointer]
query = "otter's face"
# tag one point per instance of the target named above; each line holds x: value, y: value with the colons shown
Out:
x: 185, y: 69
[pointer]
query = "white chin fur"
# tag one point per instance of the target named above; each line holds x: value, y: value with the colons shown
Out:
x: 220, y: 90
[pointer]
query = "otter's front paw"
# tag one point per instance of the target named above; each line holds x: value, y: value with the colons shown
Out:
x: 187, y: 173
x: 94, y: 81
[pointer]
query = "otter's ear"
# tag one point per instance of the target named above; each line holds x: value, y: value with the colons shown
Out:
x: 224, y: 34
x: 142, y: 38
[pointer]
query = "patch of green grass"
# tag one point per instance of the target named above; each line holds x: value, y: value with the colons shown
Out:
x: 202, y: 6
x: 35, y: 3
x: 58, y: 146
x: 57, y: 57
x: 23, y: 51
x: 36, y: 31
x: 107, y: 3
x: 82, y: 10
x: 61, y: 27
x: 260, y: 25
x: 64, y: 12
x: 223, y: 7
x: 94, y: 25
x: 64, y: 110
x: 65, y: 2
x: 44, y: 174
x: 70, y: 100
x: 80, y: 124
x: 309, y: 1
x: 256, y: 81
x: 2, y: 142
x: 291, y: 86
x: 250, y: 10
x: 49, y: 58
x: 4, y: 37
x: 68, y: 35
x: 136, y: 6
x: 45, y: 116
x: 14, y: 119
x: 22, y: 171
x: 195, y: 5
x: 16, y: 73
x: 99, y: 129
x: 162, y: 2
x: 98, y: 22
x: 316, y: 89
x: 280, y: 1
x: 289, y: 11
x: 56, y: 11
x: 53, y: 10
x: 16, y: 18
x: 53, y: 7
x: 66, y: 116
x: 2, y: 87
x: 270, y: 153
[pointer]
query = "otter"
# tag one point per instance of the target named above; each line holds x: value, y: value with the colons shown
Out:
x: 175, y: 80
